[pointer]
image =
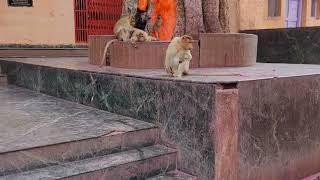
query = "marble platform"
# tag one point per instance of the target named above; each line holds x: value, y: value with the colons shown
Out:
x: 261, y: 124
x: 46, y: 137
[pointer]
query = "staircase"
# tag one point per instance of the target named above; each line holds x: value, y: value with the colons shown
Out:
x: 42, y: 137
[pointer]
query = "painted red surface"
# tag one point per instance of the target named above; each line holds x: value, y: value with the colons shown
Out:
x: 95, y: 17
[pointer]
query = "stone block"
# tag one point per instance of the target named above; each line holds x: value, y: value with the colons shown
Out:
x: 147, y: 55
x: 224, y: 49
x: 97, y: 44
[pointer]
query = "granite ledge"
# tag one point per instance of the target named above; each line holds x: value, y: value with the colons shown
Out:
x: 256, y: 72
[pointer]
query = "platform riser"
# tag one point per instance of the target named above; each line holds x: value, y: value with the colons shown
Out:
x: 77, y: 150
x: 139, y: 170
x: 212, y: 50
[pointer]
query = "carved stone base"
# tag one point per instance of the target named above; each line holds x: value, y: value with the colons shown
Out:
x: 217, y: 50
x: 226, y: 49
x: 147, y: 55
x: 97, y: 44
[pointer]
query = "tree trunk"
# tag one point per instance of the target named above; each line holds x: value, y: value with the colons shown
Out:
x: 181, y: 19
x: 129, y: 4
x: 211, y: 16
x: 195, y: 16
x: 224, y: 16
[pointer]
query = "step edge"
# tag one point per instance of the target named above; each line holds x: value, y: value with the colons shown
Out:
x: 171, y: 151
x: 72, y: 141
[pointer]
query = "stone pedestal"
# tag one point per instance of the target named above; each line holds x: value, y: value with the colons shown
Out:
x: 147, y: 55
x: 225, y: 49
x: 97, y: 44
x: 217, y: 50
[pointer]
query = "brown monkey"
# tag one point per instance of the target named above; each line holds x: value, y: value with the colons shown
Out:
x: 122, y: 30
x: 141, y: 36
x: 178, y: 57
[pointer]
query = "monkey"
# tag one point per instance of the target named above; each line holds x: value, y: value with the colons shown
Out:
x: 141, y: 36
x: 122, y: 30
x: 181, y: 63
x: 178, y: 58
x: 156, y: 26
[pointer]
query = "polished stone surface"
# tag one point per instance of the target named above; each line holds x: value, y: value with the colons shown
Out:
x: 173, y: 175
x: 30, y: 119
x: 123, y: 165
x: 278, y: 109
x: 183, y: 109
x: 279, y: 123
x: 258, y: 71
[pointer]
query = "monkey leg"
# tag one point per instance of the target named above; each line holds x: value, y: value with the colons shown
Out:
x: 186, y: 67
x: 179, y: 72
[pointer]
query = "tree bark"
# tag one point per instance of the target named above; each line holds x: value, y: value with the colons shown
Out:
x: 181, y: 19
x: 224, y: 16
x: 193, y: 18
x: 211, y: 16
x: 129, y: 4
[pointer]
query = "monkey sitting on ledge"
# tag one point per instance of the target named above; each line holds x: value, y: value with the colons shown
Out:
x: 178, y: 57
x: 125, y: 31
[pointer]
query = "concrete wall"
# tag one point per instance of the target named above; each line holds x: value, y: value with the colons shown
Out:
x: 47, y: 22
x: 307, y: 20
x: 254, y: 15
x: 234, y: 19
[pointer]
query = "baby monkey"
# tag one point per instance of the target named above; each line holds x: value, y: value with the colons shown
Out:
x: 140, y: 36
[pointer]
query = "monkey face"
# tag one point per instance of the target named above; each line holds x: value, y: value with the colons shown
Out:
x: 187, y: 42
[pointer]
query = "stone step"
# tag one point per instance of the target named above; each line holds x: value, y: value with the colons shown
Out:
x: 3, y: 79
x: 138, y: 163
x: 39, y: 130
x: 173, y: 175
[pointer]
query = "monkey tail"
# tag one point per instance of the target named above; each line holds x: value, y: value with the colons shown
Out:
x: 106, y: 50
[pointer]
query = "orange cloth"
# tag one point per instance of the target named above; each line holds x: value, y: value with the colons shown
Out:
x: 167, y: 9
x: 142, y: 5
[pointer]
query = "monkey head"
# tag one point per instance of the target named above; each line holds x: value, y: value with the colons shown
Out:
x: 131, y: 18
x: 186, y: 42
